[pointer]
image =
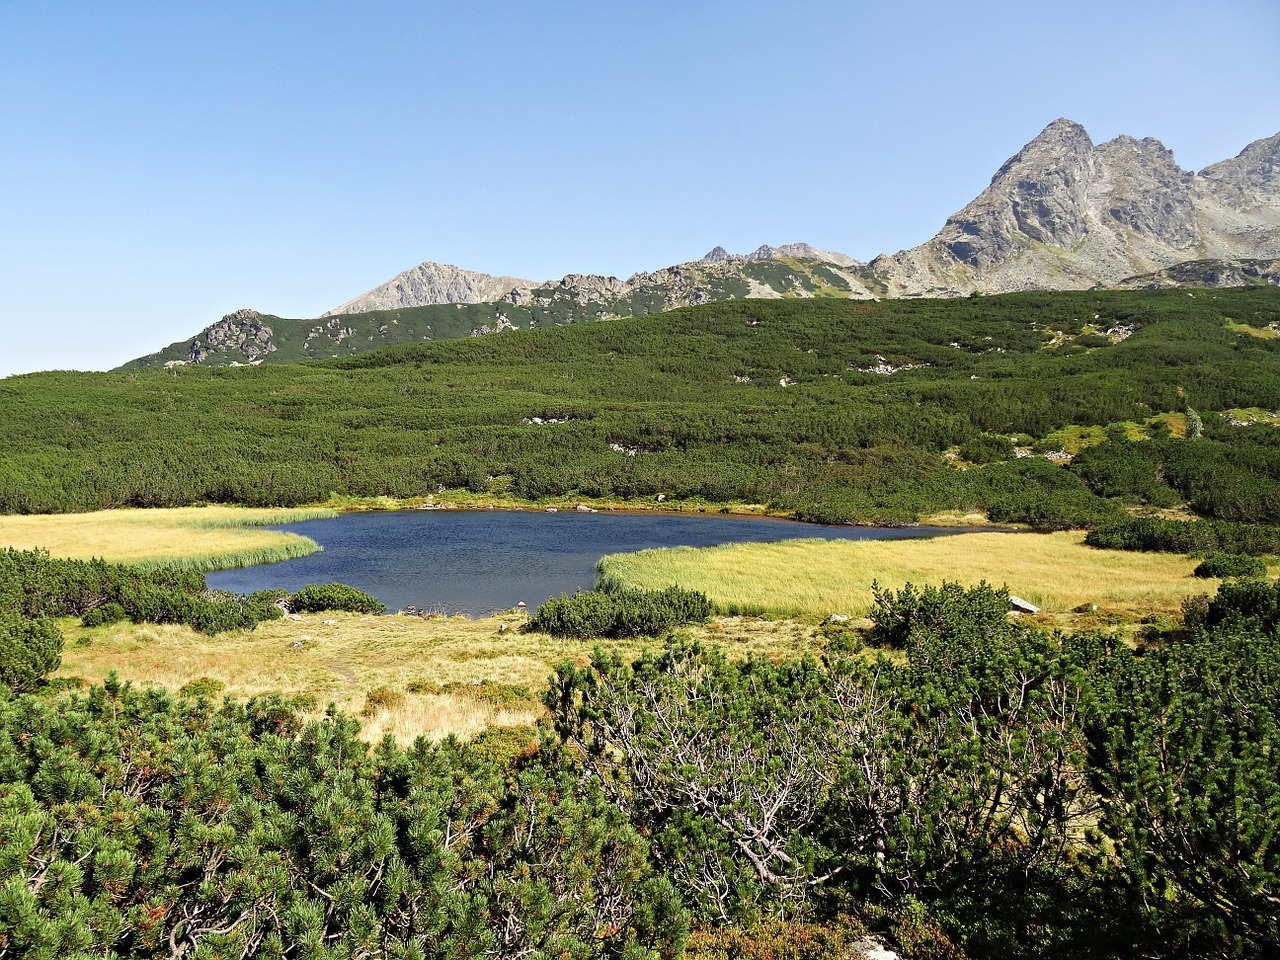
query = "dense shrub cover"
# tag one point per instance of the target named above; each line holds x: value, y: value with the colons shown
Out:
x: 620, y: 613
x: 1186, y: 536
x: 30, y: 650
x: 975, y: 782
x: 691, y: 404
x: 1223, y: 565
x: 334, y: 596
x: 33, y: 584
x: 139, y: 825
x: 987, y: 448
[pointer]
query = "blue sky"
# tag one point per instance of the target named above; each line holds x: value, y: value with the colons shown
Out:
x: 162, y: 164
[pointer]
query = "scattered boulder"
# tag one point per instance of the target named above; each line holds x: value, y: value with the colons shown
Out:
x: 1022, y: 606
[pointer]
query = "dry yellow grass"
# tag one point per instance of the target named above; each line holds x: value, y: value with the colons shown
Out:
x: 206, y: 538
x: 339, y: 658
x: 808, y: 578
x: 436, y: 715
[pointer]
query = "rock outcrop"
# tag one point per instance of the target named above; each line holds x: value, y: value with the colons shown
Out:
x: 240, y: 334
x: 1206, y: 273
x: 801, y: 251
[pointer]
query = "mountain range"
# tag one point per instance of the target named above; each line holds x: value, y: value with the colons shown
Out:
x: 1062, y: 213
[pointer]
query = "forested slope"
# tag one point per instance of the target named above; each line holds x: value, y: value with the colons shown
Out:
x: 831, y: 409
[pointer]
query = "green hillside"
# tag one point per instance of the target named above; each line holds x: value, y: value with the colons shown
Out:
x: 832, y: 410
x: 247, y: 337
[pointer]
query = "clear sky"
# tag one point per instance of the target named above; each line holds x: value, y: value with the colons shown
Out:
x: 164, y: 163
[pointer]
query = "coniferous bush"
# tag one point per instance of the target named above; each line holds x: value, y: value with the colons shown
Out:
x: 30, y: 650
x: 137, y: 824
x: 987, y: 448
x: 315, y: 598
x: 620, y: 613
x: 1186, y: 536
x: 1224, y: 565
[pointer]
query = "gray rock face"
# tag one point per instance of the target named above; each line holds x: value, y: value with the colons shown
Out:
x: 809, y: 252
x: 1065, y: 214
x: 805, y: 251
x: 1248, y: 181
x: 241, y: 331
x: 717, y: 255
x: 1206, y: 273
x: 432, y: 283
x: 1037, y: 195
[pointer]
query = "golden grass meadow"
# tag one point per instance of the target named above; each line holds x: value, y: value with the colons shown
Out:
x: 816, y: 578
x: 429, y: 676
x: 198, y: 538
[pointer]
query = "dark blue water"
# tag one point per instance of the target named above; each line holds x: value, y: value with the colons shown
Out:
x: 478, y: 561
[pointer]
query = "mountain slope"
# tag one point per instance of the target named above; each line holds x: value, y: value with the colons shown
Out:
x: 246, y: 337
x: 1062, y: 213
x: 1065, y: 214
x: 830, y: 409
x: 1206, y: 273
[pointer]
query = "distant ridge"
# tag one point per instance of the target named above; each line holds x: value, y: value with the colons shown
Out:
x: 1060, y: 214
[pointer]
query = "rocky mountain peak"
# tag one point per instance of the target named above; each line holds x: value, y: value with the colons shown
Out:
x: 1141, y: 187
x: 1064, y: 214
x: 431, y: 282
x: 804, y: 251
x: 1038, y: 195
x: 1250, y: 179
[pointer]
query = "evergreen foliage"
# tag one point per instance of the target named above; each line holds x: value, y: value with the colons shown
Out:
x: 987, y: 448
x: 967, y: 781
x: 139, y: 825
x: 1186, y: 536
x: 620, y: 613
x: 34, y: 585
x: 1187, y: 765
x: 334, y: 596
x: 30, y: 650
x: 1223, y: 565
x: 690, y: 404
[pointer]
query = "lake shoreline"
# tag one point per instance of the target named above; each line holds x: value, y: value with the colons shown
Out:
x: 464, y: 500
x: 480, y: 559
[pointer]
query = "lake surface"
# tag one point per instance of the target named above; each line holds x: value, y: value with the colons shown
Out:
x: 479, y: 561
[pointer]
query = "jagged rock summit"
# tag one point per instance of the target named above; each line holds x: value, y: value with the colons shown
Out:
x: 800, y: 251
x: 1063, y: 213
